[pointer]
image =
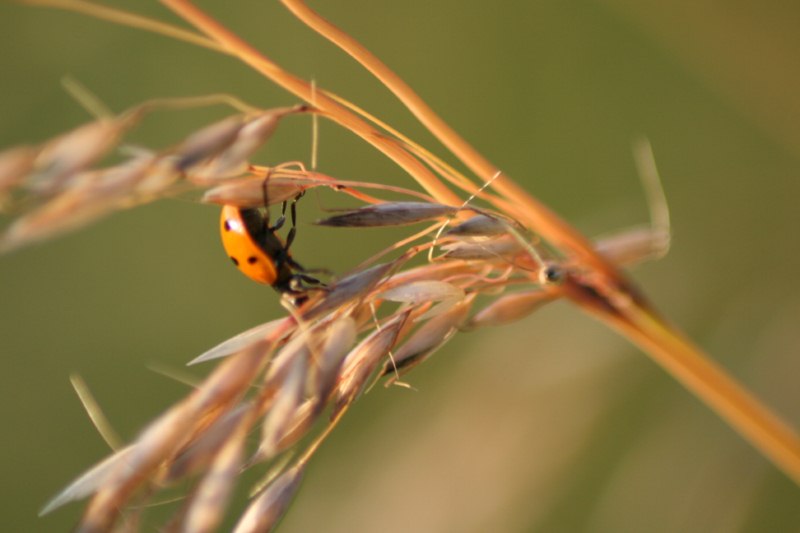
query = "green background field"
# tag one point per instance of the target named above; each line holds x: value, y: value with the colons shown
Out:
x: 551, y: 424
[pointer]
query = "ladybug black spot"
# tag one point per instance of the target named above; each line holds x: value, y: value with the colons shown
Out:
x: 235, y: 261
x: 252, y: 260
x: 228, y: 227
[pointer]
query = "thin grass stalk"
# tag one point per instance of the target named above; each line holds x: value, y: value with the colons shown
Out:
x: 129, y: 19
x: 528, y: 209
x: 685, y: 362
x: 302, y: 89
x: 710, y: 382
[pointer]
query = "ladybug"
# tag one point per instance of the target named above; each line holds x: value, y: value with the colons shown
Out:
x: 255, y: 248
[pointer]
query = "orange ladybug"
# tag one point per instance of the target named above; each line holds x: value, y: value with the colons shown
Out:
x: 258, y: 251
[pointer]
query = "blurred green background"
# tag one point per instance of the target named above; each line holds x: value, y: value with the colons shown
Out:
x: 552, y: 424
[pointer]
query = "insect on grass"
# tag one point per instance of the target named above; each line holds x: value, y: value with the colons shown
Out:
x: 488, y: 253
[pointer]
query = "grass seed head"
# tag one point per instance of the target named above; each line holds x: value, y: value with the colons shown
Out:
x: 64, y: 157
x: 430, y: 336
x: 480, y: 225
x: 15, y: 164
x: 388, y: 214
x: 268, y: 508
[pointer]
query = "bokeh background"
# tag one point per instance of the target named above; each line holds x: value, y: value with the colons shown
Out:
x: 552, y: 424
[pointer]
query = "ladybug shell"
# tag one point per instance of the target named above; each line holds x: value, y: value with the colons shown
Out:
x: 252, y: 246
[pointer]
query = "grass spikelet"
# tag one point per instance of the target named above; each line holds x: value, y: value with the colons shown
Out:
x: 286, y: 402
x: 59, y: 177
x: 238, y: 342
x: 427, y: 339
x: 326, y: 364
x: 388, y: 214
x: 509, y: 308
x: 480, y: 226
x: 209, y: 501
x: 362, y: 361
x: 268, y: 508
x: 92, y: 195
x: 249, y: 191
x: 75, y: 151
x: 202, y: 450
x: 497, y: 248
x: 89, y: 482
x: 208, y: 142
x: 15, y: 164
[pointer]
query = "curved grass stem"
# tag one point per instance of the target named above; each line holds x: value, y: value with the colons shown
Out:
x: 524, y: 207
x: 326, y: 106
x: 131, y: 20
x: 699, y: 374
x: 622, y: 306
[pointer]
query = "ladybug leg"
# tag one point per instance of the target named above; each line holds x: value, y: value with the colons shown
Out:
x: 294, y: 265
x: 298, y: 282
x: 312, y: 280
x: 294, y: 209
x: 290, y: 238
x: 281, y: 219
x: 297, y: 267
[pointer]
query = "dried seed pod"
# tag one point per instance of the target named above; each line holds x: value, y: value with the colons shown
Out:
x: 207, y: 142
x: 493, y: 249
x: 15, y: 164
x: 161, y: 174
x: 325, y: 364
x: 287, y: 399
x: 422, y: 291
x: 169, y: 432
x: 388, y: 214
x: 65, y: 156
x: 362, y: 361
x: 510, y: 308
x: 635, y: 245
x: 249, y: 191
x: 427, y: 339
x: 211, y: 496
x: 417, y: 292
x: 355, y: 286
x: 298, y: 347
x: 233, y: 159
x: 201, y: 451
x: 295, y: 429
x: 267, y: 509
x: 481, y: 226
x: 88, y: 482
x: 93, y: 195
x: 315, y: 359
x: 238, y: 342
